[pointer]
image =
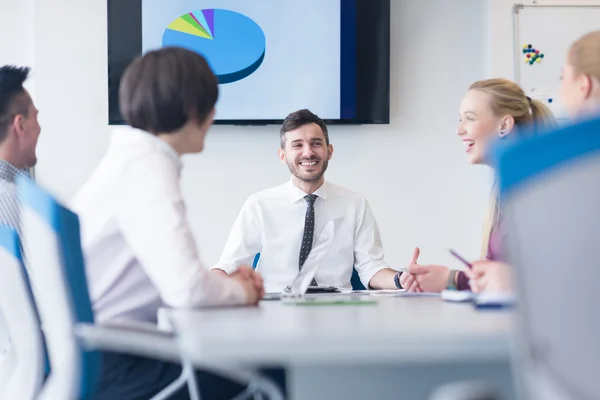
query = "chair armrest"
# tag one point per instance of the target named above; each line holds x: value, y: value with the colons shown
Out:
x: 129, y: 338
x: 137, y: 326
x: 142, y: 339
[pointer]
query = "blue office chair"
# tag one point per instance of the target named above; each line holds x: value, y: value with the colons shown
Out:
x: 550, y: 196
x: 74, y: 340
x: 355, y: 280
x: 16, y: 301
x: 61, y: 293
x: 60, y: 287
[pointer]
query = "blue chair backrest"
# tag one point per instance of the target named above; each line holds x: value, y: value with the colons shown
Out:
x: 549, y: 197
x: 525, y: 160
x: 59, y: 280
x: 22, y: 320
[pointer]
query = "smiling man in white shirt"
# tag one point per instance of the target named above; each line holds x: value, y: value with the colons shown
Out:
x: 283, y: 223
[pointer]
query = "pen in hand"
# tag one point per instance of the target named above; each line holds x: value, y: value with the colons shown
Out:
x: 461, y: 259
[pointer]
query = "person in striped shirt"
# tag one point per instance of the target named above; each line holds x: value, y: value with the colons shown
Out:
x: 19, y: 132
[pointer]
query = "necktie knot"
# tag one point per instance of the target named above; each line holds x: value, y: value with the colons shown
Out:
x: 310, y: 199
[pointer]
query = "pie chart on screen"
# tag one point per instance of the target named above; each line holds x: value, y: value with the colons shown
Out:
x: 233, y: 44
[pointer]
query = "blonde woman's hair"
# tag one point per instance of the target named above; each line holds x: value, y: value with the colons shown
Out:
x: 584, y: 55
x: 507, y: 98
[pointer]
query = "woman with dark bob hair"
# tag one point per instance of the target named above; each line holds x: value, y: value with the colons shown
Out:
x: 139, y: 249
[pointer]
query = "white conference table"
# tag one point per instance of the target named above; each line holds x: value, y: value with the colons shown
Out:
x: 400, y: 348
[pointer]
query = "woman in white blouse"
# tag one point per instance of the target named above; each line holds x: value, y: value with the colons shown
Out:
x: 139, y: 249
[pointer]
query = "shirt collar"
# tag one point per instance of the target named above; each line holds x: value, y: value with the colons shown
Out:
x: 294, y: 193
x: 166, y: 149
x: 10, y: 173
x: 135, y: 135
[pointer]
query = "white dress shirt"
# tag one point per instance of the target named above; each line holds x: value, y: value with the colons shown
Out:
x: 139, y: 250
x: 271, y: 223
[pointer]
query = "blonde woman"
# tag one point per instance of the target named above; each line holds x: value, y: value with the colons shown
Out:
x: 491, y: 109
x: 580, y: 80
x: 580, y: 94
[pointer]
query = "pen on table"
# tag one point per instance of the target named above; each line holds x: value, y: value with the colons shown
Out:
x: 461, y: 259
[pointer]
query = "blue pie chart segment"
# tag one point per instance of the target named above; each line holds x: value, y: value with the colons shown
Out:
x: 233, y: 44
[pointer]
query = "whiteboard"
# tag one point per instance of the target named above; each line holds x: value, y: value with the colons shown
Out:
x: 550, y: 30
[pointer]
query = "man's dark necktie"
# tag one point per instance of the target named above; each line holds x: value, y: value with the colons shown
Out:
x: 309, y: 230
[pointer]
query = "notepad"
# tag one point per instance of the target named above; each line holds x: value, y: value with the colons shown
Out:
x: 481, y: 300
x: 495, y: 300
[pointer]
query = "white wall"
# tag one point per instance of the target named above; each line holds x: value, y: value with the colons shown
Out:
x: 413, y: 171
x: 16, y: 45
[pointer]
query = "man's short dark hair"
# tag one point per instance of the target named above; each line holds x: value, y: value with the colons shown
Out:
x: 13, y: 99
x: 163, y: 89
x: 300, y: 118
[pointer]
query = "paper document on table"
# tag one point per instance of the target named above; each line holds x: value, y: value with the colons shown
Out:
x: 401, y: 293
x: 386, y: 291
x: 458, y: 296
x: 312, y: 263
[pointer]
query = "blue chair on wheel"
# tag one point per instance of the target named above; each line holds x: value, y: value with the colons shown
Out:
x: 74, y: 340
x: 57, y: 273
